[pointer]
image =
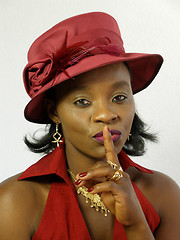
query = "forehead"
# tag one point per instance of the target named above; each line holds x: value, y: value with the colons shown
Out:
x: 113, y: 75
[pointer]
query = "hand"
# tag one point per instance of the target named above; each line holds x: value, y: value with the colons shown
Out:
x: 119, y: 197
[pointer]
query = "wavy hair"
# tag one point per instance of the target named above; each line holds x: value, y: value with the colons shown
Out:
x: 135, y: 146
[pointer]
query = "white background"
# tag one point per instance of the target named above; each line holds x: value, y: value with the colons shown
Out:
x: 146, y: 26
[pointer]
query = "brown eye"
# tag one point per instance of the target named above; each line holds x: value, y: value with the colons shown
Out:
x: 119, y: 98
x: 82, y: 102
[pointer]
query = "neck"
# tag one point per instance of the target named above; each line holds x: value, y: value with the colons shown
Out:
x: 79, y: 162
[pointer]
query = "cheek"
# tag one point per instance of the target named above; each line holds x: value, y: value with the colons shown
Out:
x: 128, y: 117
x: 72, y: 122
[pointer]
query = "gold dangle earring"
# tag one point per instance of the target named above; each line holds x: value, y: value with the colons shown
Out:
x: 57, y: 136
x: 129, y: 136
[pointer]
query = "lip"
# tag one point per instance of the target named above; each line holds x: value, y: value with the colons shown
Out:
x: 115, y: 135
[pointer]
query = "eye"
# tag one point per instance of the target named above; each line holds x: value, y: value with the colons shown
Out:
x: 82, y: 102
x: 119, y: 98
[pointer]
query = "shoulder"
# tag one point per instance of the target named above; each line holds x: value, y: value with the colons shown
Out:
x: 21, y: 206
x: 158, y: 182
x: 164, y: 194
x: 166, y: 189
x: 158, y: 187
x: 13, y: 191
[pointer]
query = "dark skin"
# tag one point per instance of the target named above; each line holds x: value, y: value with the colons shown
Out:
x: 90, y: 111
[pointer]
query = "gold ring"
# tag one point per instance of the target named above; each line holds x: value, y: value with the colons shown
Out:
x: 113, y: 165
x: 116, y: 176
x: 120, y: 169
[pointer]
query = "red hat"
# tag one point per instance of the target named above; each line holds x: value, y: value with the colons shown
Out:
x: 77, y: 45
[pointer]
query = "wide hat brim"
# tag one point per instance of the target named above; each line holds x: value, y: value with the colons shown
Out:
x: 144, y: 67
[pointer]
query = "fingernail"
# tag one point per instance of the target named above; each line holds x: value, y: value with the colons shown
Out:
x: 83, y: 174
x: 90, y: 189
x: 108, y: 129
x: 78, y: 182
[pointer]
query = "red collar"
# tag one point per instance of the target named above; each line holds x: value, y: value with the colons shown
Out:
x: 55, y: 163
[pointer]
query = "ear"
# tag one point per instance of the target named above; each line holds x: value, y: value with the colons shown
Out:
x: 51, y: 111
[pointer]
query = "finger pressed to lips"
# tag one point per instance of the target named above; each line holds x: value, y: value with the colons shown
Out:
x: 109, y: 147
x: 101, y: 169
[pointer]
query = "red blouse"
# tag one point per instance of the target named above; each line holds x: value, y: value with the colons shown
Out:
x: 62, y: 218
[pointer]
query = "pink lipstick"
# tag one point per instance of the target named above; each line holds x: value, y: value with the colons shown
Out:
x: 115, y: 135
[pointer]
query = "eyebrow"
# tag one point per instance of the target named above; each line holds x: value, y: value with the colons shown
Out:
x: 113, y: 86
x: 79, y: 87
x: 120, y: 84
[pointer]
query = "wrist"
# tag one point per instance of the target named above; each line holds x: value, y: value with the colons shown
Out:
x: 139, y: 232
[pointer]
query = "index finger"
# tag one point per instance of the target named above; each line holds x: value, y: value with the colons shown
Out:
x: 109, y: 147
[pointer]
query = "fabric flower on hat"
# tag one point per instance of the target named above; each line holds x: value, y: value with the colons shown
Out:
x: 39, y: 73
x: 44, y: 70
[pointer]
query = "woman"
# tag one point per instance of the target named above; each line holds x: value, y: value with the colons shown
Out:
x: 81, y: 82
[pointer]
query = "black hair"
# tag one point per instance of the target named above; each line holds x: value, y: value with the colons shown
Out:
x: 135, y: 146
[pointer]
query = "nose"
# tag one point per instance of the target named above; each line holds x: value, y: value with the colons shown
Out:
x: 104, y: 113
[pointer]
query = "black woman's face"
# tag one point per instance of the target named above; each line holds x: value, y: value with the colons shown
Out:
x: 94, y: 99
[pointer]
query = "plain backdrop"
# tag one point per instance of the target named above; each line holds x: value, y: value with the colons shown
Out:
x: 146, y: 26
